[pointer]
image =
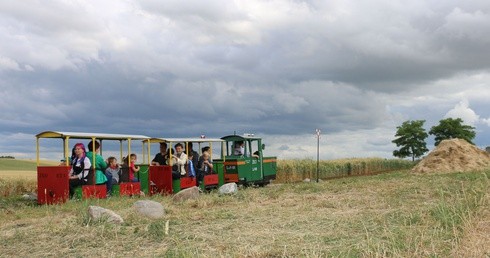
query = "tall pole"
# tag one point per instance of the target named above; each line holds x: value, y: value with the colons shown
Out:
x: 317, y: 154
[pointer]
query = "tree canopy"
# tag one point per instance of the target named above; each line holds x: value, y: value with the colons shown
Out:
x: 411, y: 138
x: 450, y: 128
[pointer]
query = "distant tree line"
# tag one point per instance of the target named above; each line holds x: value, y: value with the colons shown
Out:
x: 411, y: 136
x: 7, y: 157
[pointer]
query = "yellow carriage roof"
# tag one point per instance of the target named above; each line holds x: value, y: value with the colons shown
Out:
x: 171, y: 140
x: 100, y: 136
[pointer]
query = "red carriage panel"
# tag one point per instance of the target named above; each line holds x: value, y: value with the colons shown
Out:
x: 160, y: 180
x: 211, y: 179
x: 129, y: 189
x: 94, y: 191
x: 52, y: 184
x: 187, y: 182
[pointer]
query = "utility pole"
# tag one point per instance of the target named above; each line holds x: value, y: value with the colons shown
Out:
x: 317, y: 154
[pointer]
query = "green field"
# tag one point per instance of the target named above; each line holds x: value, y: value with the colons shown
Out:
x: 397, y: 214
x: 22, y: 165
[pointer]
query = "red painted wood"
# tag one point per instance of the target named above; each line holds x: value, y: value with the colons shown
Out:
x: 160, y: 180
x: 52, y: 184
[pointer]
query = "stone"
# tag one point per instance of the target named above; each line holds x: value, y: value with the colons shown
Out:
x: 227, y: 189
x: 30, y: 197
x: 187, y: 194
x: 149, y: 209
x: 98, y: 214
x: 307, y: 180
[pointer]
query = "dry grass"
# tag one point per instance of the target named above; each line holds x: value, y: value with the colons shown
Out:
x: 397, y: 214
x: 19, y: 174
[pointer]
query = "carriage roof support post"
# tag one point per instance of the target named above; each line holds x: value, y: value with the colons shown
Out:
x: 129, y: 151
x: 37, y: 151
x: 170, y: 153
x: 149, y: 162
x: 120, y: 151
x: 66, y: 152
x: 93, y: 161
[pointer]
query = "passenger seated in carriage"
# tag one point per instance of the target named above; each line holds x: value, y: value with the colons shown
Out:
x: 179, y: 160
x: 114, y: 170
x: 161, y: 157
x: 80, y: 169
x: 129, y: 162
x: 191, y: 166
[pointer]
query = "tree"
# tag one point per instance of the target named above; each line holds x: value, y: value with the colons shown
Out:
x: 450, y: 128
x: 411, y: 137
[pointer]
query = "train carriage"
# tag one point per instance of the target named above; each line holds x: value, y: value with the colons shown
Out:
x: 53, y: 182
x: 179, y: 183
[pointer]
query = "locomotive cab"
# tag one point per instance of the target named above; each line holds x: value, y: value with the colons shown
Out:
x: 244, y: 162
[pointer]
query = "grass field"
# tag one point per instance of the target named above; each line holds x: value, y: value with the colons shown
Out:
x: 389, y: 215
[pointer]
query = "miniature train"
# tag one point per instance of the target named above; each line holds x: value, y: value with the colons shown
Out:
x: 241, y: 161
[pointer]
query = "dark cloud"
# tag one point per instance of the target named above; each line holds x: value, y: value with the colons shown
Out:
x: 273, y: 68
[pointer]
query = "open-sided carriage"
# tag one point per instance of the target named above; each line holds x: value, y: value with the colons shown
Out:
x: 210, y: 179
x: 53, y: 181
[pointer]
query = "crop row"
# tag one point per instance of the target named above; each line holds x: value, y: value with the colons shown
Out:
x: 289, y: 171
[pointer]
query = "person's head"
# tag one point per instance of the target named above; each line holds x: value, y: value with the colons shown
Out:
x: 91, y: 146
x: 190, y: 155
x: 79, y: 150
x: 133, y: 157
x: 205, y: 155
x: 163, y: 147
x: 178, y: 148
x: 112, y: 161
x: 239, y: 144
x: 205, y: 149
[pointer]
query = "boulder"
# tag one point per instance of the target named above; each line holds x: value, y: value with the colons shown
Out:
x: 150, y: 209
x: 98, y: 214
x: 187, y: 194
x: 227, y: 189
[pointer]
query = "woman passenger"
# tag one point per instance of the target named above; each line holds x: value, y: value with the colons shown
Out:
x: 78, y: 174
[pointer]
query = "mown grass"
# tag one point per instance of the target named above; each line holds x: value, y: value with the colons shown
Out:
x: 394, y: 214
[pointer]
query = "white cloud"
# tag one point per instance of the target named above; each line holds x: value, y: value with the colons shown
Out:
x: 463, y: 111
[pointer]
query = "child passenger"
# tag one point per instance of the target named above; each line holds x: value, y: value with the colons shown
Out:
x: 114, y: 170
x: 132, y: 167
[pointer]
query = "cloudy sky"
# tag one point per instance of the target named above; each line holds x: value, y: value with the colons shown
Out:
x: 278, y: 69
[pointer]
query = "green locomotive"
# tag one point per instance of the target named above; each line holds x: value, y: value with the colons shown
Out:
x: 243, y: 161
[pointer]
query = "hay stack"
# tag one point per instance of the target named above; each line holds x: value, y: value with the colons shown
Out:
x: 454, y: 155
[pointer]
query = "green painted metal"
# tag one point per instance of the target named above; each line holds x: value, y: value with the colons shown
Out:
x: 252, y: 167
x: 175, y: 186
x: 78, y: 194
x: 218, y: 167
x: 143, y: 176
x: 116, y: 190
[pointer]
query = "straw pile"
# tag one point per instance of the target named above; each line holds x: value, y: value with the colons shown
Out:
x: 454, y: 155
